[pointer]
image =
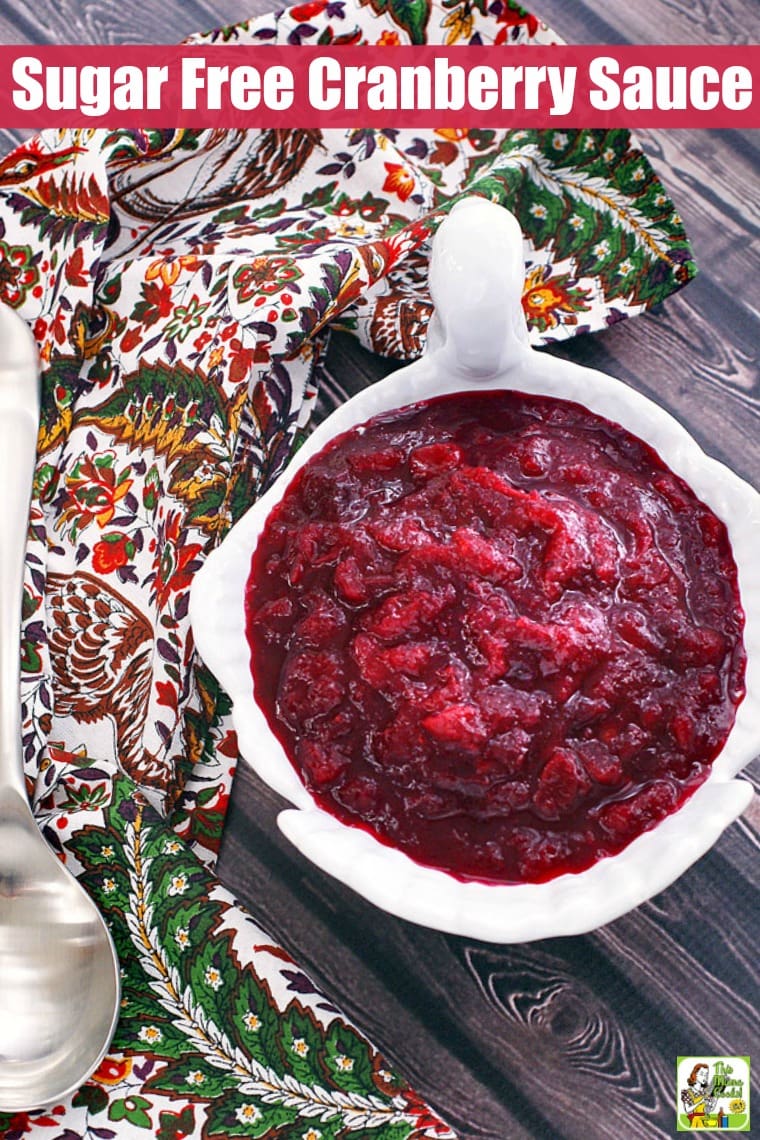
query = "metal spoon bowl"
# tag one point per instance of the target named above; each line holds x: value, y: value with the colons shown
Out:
x: 59, y: 974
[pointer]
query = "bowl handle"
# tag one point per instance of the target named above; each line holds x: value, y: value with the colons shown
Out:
x: 476, y: 275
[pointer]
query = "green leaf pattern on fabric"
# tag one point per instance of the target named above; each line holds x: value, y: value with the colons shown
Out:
x: 199, y: 1012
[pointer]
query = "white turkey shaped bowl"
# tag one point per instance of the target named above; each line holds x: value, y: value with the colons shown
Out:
x: 478, y: 341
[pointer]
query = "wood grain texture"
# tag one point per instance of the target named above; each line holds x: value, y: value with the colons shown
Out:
x: 117, y: 21
x: 563, y: 1038
x: 657, y: 21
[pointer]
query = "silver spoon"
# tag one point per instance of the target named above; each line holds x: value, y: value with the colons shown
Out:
x: 59, y: 975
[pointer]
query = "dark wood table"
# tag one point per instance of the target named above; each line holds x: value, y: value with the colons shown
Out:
x: 562, y: 1038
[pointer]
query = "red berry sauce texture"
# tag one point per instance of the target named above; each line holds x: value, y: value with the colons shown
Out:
x: 498, y: 632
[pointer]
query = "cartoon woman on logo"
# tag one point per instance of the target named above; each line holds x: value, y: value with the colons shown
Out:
x: 697, y: 1101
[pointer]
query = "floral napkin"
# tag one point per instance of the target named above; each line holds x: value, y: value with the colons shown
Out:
x: 181, y: 286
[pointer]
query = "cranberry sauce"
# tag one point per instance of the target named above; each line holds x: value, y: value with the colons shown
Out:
x: 495, y: 630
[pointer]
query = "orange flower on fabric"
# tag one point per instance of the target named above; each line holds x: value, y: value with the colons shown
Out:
x: 389, y: 39
x: 168, y: 269
x: 399, y: 180
x: 549, y: 302
x: 452, y: 134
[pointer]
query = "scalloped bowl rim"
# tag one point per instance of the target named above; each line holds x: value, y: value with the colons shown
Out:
x: 569, y: 903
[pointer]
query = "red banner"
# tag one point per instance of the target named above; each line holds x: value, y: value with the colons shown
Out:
x: 472, y: 86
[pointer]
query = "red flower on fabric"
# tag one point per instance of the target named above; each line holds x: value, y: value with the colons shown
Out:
x: 156, y: 303
x: 113, y: 551
x: 512, y: 17
x: 241, y: 360
x: 112, y: 1070
x: 399, y: 180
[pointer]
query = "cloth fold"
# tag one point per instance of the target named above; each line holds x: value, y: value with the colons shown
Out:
x: 181, y: 286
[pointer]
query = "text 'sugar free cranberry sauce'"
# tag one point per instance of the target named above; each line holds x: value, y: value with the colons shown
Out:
x: 497, y: 631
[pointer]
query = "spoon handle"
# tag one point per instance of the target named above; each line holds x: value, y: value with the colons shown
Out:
x: 19, y: 423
